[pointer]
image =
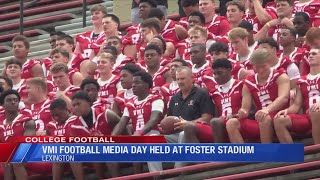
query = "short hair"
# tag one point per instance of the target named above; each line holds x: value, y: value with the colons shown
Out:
x: 305, y: 16
x: 145, y: 77
x: 246, y: 25
x: 202, y: 47
x: 23, y: 39
x: 290, y: 2
x: 151, y: 23
x: 58, y: 67
x: 186, y: 68
x: 13, y: 61
x: 237, y: 3
x: 1, y: 89
x: 82, y: 96
x: 7, y: 93
x: 198, y: 29
x: 58, y: 103
x: 99, y: 7
x: 115, y: 37
x: 38, y: 81
x: 292, y: 31
x: 269, y: 41
x: 259, y: 56
x: 153, y: 47
x: 89, y: 81
x: 238, y: 32
x: 164, y: 44
x: 67, y: 38
x: 156, y: 13
x: 114, y: 18
x: 312, y: 34
x: 218, y: 47
x: 152, y: 3
x: 183, y: 62
x: 57, y: 33
x: 222, y: 63
x: 113, y: 50
x: 62, y: 51
x: 7, y: 80
x: 187, y: 3
x: 107, y: 56
x: 131, y: 67
x: 198, y: 14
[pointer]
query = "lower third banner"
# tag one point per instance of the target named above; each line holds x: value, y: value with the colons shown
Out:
x: 159, y: 153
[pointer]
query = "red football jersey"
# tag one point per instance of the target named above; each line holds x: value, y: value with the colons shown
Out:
x: 184, y: 22
x: 88, y: 43
x: 101, y: 103
x: 27, y: 68
x: 219, y: 26
x: 159, y: 78
x: 246, y: 63
x: 41, y: 114
x: 16, y: 128
x: 296, y: 56
x: 253, y: 19
x: 132, y: 30
x: 22, y: 110
x: 169, y: 32
x: 108, y: 89
x: 168, y: 90
x: 227, y: 101
x: 76, y: 60
x: 311, y: 8
x: 99, y: 127
x: 56, y: 129
x: 236, y: 69
x: 122, y: 98
x: 310, y: 89
x: 46, y: 64
x: 264, y: 95
x: 140, y: 111
x: 198, y: 73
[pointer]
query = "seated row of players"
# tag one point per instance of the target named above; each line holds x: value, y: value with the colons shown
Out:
x: 269, y: 89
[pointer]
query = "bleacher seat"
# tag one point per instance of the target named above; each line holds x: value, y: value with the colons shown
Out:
x: 46, y: 9
x: 8, y: 37
x: 39, y: 21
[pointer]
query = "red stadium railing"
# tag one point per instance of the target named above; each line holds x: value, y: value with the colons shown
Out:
x: 209, y: 166
x: 268, y: 172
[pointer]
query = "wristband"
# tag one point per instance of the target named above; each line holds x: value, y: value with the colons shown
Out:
x: 140, y: 132
x: 268, y: 24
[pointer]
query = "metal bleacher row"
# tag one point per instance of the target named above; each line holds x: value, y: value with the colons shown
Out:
x: 44, y: 16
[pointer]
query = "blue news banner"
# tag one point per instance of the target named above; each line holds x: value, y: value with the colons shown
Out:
x: 159, y: 153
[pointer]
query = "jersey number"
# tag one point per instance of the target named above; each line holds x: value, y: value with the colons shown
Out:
x: 140, y: 122
x: 226, y: 109
x: 314, y: 98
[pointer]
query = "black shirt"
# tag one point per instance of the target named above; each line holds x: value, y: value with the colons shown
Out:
x: 159, y: 2
x: 89, y: 119
x: 197, y: 103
